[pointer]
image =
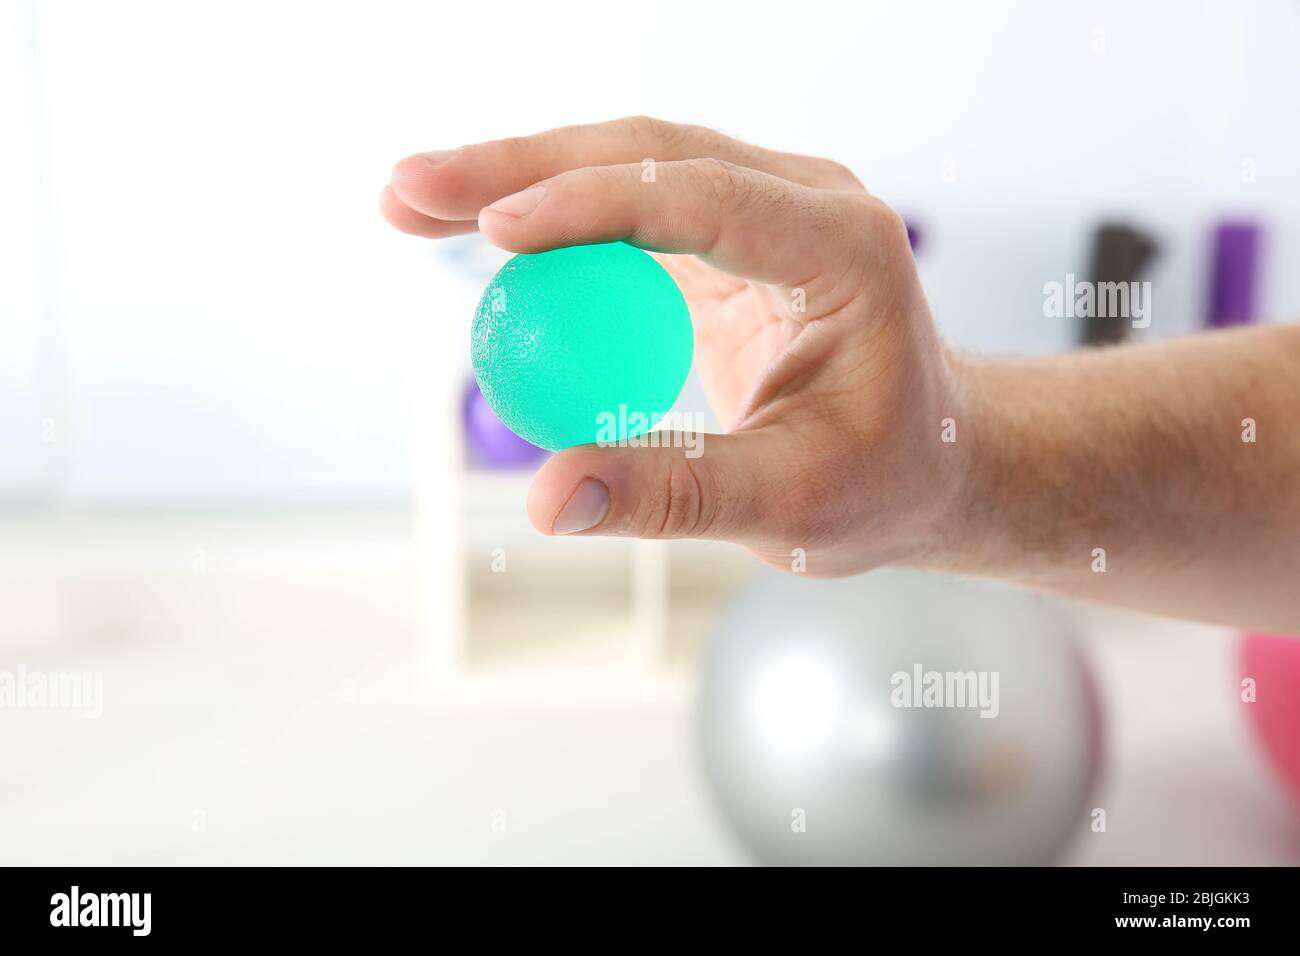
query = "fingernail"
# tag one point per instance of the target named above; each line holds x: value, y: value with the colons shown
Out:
x: 437, y: 157
x: 585, y: 509
x: 520, y: 204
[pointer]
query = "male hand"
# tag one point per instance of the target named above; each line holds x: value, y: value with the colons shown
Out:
x: 812, y: 337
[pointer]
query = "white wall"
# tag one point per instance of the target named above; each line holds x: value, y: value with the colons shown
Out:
x: 234, y: 322
x: 22, y: 453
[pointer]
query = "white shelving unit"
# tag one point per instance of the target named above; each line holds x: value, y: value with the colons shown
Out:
x: 573, y: 620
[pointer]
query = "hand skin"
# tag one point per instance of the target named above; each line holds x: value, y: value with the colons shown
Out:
x: 813, y: 336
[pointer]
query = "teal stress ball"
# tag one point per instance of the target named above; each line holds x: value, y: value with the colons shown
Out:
x: 583, y: 344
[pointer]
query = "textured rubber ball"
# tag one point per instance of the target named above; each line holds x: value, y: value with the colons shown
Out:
x: 582, y: 344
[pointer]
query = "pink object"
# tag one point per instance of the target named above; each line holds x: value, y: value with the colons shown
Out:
x: 1273, y: 662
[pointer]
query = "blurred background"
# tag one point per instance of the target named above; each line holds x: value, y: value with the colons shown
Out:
x: 243, y: 482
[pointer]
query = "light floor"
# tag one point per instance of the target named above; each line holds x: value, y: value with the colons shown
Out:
x: 266, y: 705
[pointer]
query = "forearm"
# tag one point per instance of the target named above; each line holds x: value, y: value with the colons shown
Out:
x: 1135, y: 460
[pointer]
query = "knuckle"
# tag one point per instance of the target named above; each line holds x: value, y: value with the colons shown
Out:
x: 889, y: 223
x: 870, y: 221
x: 683, y: 504
x: 862, y: 210
x: 846, y: 220
x: 653, y: 132
x: 724, y: 182
x: 688, y: 504
x: 883, y: 221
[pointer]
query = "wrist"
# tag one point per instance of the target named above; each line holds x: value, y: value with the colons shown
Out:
x: 966, y: 530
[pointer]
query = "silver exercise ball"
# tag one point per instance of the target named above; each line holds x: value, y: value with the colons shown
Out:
x: 897, y: 718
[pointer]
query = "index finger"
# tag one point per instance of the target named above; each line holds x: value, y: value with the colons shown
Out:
x: 455, y: 185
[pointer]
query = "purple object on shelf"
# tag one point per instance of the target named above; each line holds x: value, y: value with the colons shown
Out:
x: 1232, y: 296
x: 490, y: 442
